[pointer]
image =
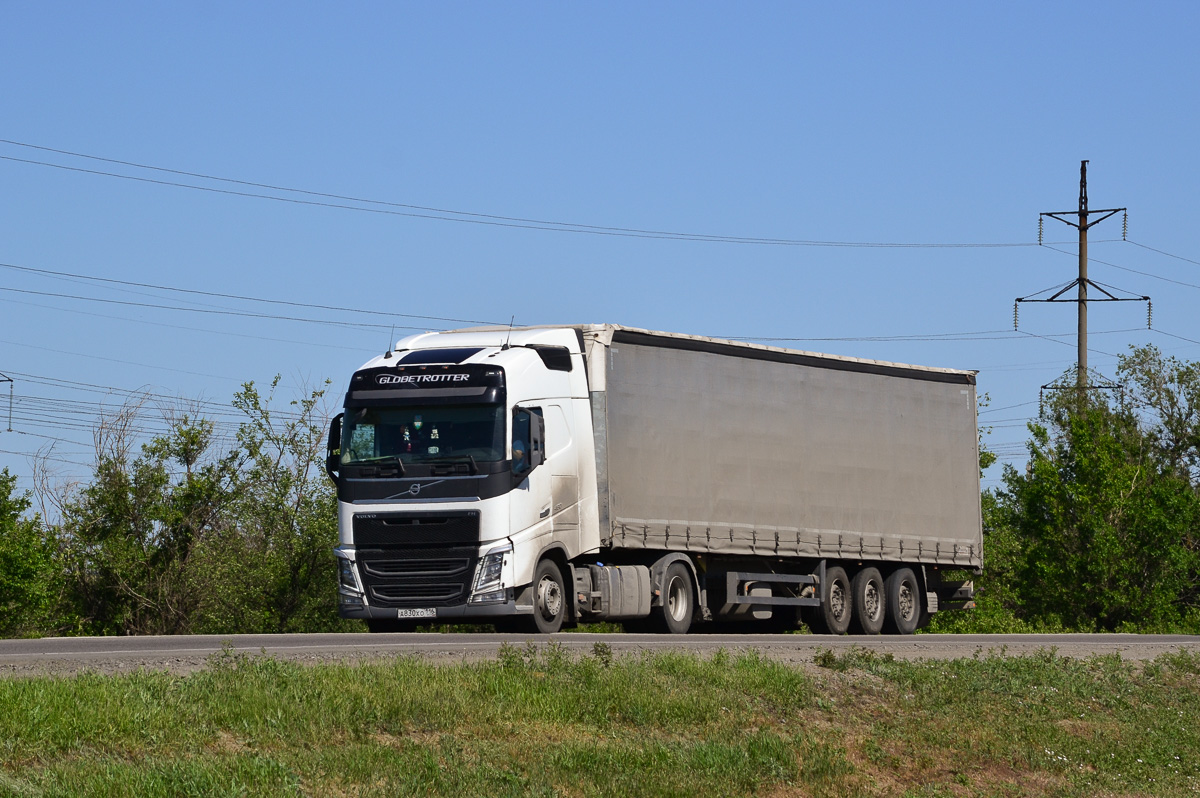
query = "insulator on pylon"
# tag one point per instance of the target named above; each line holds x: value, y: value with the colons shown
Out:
x: 1149, y: 315
x: 1041, y: 221
x: 1125, y: 227
x: 1016, y: 317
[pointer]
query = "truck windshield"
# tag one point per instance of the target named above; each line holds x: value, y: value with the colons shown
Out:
x: 420, y: 434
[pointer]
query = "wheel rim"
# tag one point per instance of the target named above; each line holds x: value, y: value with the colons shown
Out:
x: 837, y: 599
x: 871, y: 603
x: 907, y: 601
x: 549, y: 598
x: 676, y: 599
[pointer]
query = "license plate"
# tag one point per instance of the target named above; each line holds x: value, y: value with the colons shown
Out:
x: 419, y: 612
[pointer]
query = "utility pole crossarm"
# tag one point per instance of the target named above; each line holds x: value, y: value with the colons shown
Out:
x: 1059, y: 214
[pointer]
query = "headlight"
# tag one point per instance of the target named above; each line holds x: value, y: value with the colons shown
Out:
x: 489, y: 577
x: 346, y: 574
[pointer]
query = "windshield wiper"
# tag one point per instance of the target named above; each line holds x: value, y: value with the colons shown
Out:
x: 453, y: 458
x: 382, y: 462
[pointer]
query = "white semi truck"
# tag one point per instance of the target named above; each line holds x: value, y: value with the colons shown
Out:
x: 541, y: 476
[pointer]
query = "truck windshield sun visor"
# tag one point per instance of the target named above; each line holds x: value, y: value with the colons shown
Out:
x: 424, y: 357
x: 474, y: 383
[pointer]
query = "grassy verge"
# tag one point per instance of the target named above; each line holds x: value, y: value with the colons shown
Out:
x: 539, y: 722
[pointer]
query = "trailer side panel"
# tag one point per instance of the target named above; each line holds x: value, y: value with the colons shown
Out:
x: 715, y: 448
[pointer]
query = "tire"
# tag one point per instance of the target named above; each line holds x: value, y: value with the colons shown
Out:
x: 837, y: 603
x: 905, y: 609
x: 870, y: 601
x: 678, y: 601
x: 385, y: 625
x: 549, y: 598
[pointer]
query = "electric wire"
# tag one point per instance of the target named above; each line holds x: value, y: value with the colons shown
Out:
x: 1173, y: 335
x: 242, y: 297
x: 1125, y: 268
x: 1006, y: 407
x: 1168, y: 254
x: 187, y: 328
x: 449, y: 215
x: 212, y: 311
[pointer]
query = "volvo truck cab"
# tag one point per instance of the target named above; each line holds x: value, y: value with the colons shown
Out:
x: 459, y: 482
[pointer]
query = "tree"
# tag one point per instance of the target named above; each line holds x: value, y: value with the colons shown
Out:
x: 131, y: 533
x: 30, y: 571
x: 273, y: 566
x: 1102, y: 526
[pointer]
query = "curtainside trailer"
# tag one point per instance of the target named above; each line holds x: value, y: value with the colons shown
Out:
x: 541, y: 476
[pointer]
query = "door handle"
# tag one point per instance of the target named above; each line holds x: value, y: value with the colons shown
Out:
x: 545, y: 512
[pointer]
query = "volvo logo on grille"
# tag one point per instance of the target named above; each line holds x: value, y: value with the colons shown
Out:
x: 416, y: 488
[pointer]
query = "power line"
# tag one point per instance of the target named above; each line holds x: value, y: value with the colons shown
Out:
x: 211, y: 311
x: 116, y: 360
x: 449, y: 215
x: 928, y: 337
x: 1128, y: 269
x: 1168, y: 254
x: 981, y: 335
x: 1006, y: 407
x: 240, y: 296
x: 188, y: 328
x: 1173, y: 335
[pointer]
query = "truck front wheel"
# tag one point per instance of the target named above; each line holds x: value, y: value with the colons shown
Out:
x: 549, y: 598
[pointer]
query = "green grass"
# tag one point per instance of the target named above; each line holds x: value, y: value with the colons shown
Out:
x: 541, y: 722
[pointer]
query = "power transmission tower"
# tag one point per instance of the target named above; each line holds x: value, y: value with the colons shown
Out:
x: 8, y: 379
x: 1082, y: 282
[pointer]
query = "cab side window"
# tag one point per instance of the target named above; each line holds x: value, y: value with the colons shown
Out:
x: 528, y: 447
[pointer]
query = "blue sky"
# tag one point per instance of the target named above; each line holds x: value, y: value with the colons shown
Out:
x: 928, y: 123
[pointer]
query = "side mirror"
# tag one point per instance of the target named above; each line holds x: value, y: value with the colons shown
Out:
x: 333, y: 448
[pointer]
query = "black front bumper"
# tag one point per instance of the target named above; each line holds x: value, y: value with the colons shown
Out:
x: 454, y: 614
x: 408, y: 561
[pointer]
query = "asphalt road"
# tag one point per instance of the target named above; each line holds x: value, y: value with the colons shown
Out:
x: 186, y: 653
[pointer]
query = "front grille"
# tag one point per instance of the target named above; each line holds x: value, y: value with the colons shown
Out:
x: 446, y: 528
x: 417, y: 560
x: 387, y: 569
x: 426, y: 595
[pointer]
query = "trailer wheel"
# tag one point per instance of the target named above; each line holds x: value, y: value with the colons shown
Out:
x: 833, y: 616
x: 870, y: 601
x: 678, y: 600
x: 904, y: 605
x: 549, y: 598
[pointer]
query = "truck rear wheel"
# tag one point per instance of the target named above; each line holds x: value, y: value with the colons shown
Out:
x: 904, y: 605
x: 870, y: 601
x: 678, y: 600
x: 549, y: 598
x: 833, y: 616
